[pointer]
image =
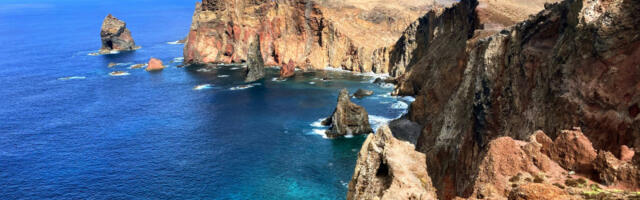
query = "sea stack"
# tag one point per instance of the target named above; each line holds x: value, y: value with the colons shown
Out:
x: 288, y: 70
x: 255, y: 63
x: 154, y: 65
x: 348, y: 118
x: 115, y: 36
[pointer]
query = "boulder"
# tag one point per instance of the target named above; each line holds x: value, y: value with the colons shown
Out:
x: 388, y: 168
x: 255, y: 64
x: 288, y: 70
x: 361, y: 93
x: 612, y: 171
x: 348, y: 118
x: 573, y: 151
x: 154, y: 65
x: 115, y: 36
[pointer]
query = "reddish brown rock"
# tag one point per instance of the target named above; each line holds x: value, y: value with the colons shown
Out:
x: 302, y: 30
x: 573, y: 64
x: 154, y: 65
x: 538, y: 191
x: 626, y: 153
x: 573, y: 151
x: 115, y: 36
x: 388, y: 168
x: 288, y: 70
x: 612, y: 171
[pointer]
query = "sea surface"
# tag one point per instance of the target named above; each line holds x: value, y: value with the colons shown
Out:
x: 69, y: 130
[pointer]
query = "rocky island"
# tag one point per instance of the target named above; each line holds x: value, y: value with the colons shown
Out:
x: 115, y: 36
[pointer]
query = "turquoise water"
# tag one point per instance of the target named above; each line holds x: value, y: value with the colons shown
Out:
x: 68, y: 130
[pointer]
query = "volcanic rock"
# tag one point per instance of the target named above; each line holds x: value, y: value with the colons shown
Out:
x: 612, y: 171
x: 255, y: 63
x: 115, y: 36
x: 361, y: 93
x: 626, y: 153
x: 304, y: 31
x: 288, y: 70
x: 573, y: 63
x: 154, y: 65
x: 388, y: 168
x: 348, y: 118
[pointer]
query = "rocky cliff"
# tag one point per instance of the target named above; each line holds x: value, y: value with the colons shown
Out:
x: 575, y: 63
x: 353, y: 35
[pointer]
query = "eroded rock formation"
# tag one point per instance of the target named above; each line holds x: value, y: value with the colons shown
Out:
x: 288, y: 70
x: 361, y: 93
x: 255, y: 64
x: 388, y: 168
x: 573, y: 64
x: 115, y: 36
x: 348, y: 118
x: 311, y: 33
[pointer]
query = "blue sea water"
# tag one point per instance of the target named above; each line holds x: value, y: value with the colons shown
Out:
x: 69, y: 130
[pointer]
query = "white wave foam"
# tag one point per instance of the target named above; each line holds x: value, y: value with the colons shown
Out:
x: 321, y: 132
x: 318, y: 123
x: 276, y: 79
x: 71, y: 78
x: 203, y: 86
x: 312, y: 83
x: 204, y: 70
x: 235, y: 68
x: 377, y: 121
x: 400, y: 105
x: 178, y: 59
x: 244, y: 87
x: 408, y: 99
x: 223, y: 76
x: 175, y: 42
x: 119, y: 73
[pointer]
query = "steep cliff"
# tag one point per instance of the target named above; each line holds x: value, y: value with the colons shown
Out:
x: 352, y: 35
x: 573, y: 64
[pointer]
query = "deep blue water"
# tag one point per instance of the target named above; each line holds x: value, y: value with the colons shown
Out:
x: 151, y: 135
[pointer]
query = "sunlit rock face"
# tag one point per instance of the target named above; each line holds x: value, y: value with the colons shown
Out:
x: 351, y: 35
x: 575, y: 63
x: 115, y: 36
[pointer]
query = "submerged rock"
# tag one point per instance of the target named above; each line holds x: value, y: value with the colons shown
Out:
x: 115, y: 36
x: 361, y: 93
x: 154, y: 65
x: 348, y: 118
x: 112, y: 64
x: 388, y: 168
x: 255, y: 64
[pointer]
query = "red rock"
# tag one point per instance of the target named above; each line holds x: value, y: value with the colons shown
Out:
x: 538, y: 191
x: 288, y: 70
x: 612, y: 171
x: 573, y: 151
x: 154, y: 65
x: 626, y: 153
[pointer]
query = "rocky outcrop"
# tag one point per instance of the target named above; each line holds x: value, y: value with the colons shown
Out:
x: 388, y: 168
x: 312, y: 33
x: 361, y: 93
x: 288, y: 70
x: 255, y: 64
x: 612, y: 171
x: 115, y: 36
x: 348, y: 118
x: 154, y: 64
x: 573, y: 64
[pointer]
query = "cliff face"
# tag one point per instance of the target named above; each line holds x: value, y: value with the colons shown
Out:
x: 312, y: 34
x: 573, y: 64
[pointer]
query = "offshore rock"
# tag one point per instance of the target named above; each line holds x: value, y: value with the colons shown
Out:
x: 361, y: 93
x: 115, y: 36
x: 348, y: 118
x: 288, y: 70
x: 572, y: 64
x: 388, y: 168
x: 154, y: 64
x: 255, y: 64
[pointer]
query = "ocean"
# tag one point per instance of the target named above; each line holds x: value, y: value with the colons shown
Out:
x: 69, y: 130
